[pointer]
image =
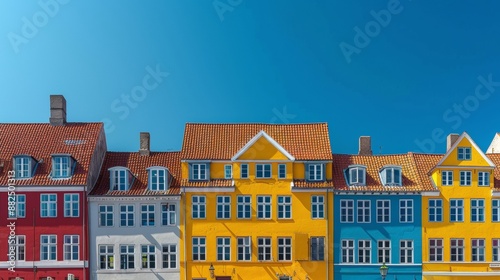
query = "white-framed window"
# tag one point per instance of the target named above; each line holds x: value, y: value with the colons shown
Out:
x: 48, y: 205
x: 406, y: 210
x: 71, y: 205
x: 391, y: 176
x: 284, y: 207
x: 465, y: 178
x: 127, y: 215
x: 264, y: 206
x: 483, y: 178
x: 244, y: 171
x: 282, y: 171
x: 223, y: 207
x: 168, y: 214
x: 127, y: 256
x: 148, y: 256
x: 318, y: 206
x: 147, y: 215
x: 106, y: 213
x: 157, y: 179
x: 48, y: 247
x: 495, y: 242
x: 477, y: 210
x: 199, y: 248
x: 106, y: 257
x: 169, y: 256
x: 223, y: 248
x: 284, y: 248
x: 228, y: 171
x: 263, y: 171
x: 198, y: 206
x: 346, y: 211
x: 383, y: 211
x: 71, y: 247
x: 456, y: 250
x: 477, y: 250
x: 364, y: 211
x: 23, y: 166
x: 435, y: 207
x: 384, y: 251
x: 62, y: 166
x: 356, y: 175
x: 495, y: 210
x: 20, y: 247
x: 464, y: 153
x: 199, y: 171
x: 456, y: 210
x: 447, y: 178
x: 244, y: 206
x: 317, y: 248
x: 20, y: 205
x: 364, y: 251
x: 264, y: 248
x: 436, y: 250
x: 120, y: 179
x: 315, y: 172
x: 244, y: 248
x: 406, y: 251
x: 347, y: 250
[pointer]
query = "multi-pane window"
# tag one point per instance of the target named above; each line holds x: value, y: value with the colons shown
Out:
x: 23, y: 167
x: 198, y: 204
x: 282, y: 171
x: 223, y: 248
x: 384, y: 251
x: 496, y: 249
x: 223, y: 207
x: 447, y: 178
x: 477, y: 210
x: 244, y: 248
x: 106, y: 257
x: 119, y: 179
x: 483, y: 178
x: 148, y: 256
x: 406, y: 211
x: 457, y: 250
x: 244, y: 171
x: 464, y: 153
x: 284, y: 249
x: 71, y: 205
x: 406, y: 251
x: 48, y: 248
x: 357, y: 175
x: 317, y: 206
x: 264, y: 248
x: 435, y: 250
x: 20, y: 203
x: 48, y: 205
x: 71, y: 247
x: 346, y: 211
x: 456, y: 210
x: 263, y: 170
x: 284, y: 207
x: 495, y: 210
x: 392, y: 176
x: 364, y: 211
x: 315, y: 172
x: 465, y: 178
x: 244, y: 206
x: 106, y: 215
x: 127, y: 260
x: 199, y: 248
x: 364, y: 251
x: 147, y: 215
x: 127, y: 214
x: 383, y: 211
x: 169, y: 256
x: 61, y: 166
x: 347, y: 250
x: 228, y: 171
x: 317, y: 248
x: 435, y: 210
x: 20, y: 247
x: 157, y: 179
x: 477, y: 250
x: 199, y: 171
x: 168, y: 214
x: 264, y: 207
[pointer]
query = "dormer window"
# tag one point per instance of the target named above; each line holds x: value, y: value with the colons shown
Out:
x: 120, y: 179
x: 315, y: 172
x: 391, y: 175
x: 24, y: 166
x: 158, y: 178
x: 356, y: 175
x: 464, y: 153
x: 199, y: 171
x: 62, y: 166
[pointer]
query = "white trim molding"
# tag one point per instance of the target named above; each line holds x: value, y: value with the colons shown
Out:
x: 45, y: 189
x: 252, y: 141
x: 203, y: 190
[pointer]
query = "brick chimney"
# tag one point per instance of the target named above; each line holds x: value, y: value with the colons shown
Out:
x: 450, y: 140
x: 57, y: 110
x: 365, y: 146
x: 144, y: 149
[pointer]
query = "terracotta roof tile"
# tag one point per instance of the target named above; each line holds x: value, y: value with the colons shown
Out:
x: 41, y: 140
x: 223, y: 141
x: 206, y: 184
x: 496, y: 172
x: 303, y: 184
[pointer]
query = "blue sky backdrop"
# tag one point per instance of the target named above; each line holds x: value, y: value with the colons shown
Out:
x: 405, y: 72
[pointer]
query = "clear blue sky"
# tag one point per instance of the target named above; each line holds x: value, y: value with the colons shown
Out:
x: 347, y: 63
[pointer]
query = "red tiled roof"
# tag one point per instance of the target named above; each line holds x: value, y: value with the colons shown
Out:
x: 223, y: 141
x: 41, y: 140
x: 138, y: 164
x: 205, y: 184
x: 414, y: 166
x: 496, y: 172
x: 303, y: 184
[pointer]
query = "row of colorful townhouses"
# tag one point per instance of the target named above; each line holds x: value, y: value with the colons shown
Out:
x: 242, y: 201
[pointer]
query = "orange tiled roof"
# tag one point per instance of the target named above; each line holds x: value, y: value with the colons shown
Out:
x: 205, y: 184
x: 41, y: 140
x: 223, y: 141
x: 414, y: 167
x: 496, y: 172
x: 138, y: 164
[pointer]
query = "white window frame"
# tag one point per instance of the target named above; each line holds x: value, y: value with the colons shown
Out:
x: 465, y: 178
x: 50, y: 203
x: 244, y: 248
x: 106, y: 215
x: 169, y: 256
x: 71, y: 247
x: 264, y: 249
x: 384, y: 251
x: 284, y: 207
x: 357, y: 175
x: 477, y: 249
x: 447, y: 178
x: 72, y: 205
x: 109, y: 257
x: 127, y: 211
x: 456, y: 210
x: 198, y: 173
x: 458, y: 256
x: 477, y: 210
x: 436, y: 246
x: 495, y: 210
x: 168, y: 214
x: 483, y: 178
x: 438, y: 210
x: 51, y: 244
x: 158, y: 181
x: 391, y: 178
x: 199, y: 248
x: 119, y: 179
x: 284, y: 249
x: 347, y: 251
x: 347, y: 211
x: 20, y: 247
x: 228, y: 171
x: 244, y: 171
x: 317, y: 206
x: 384, y: 206
x: 223, y: 248
x: 62, y: 166
x: 148, y: 253
x: 364, y: 251
x: 23, y: 166
x: 464, y: 153
x: 223, y: 207
x: 263, y: 168
x: 198, y: 207
x: 148, y: 215
x: 495, y: 243
x: 264, y: 207
x: 244, y: 206
x: 127, y: 256
x: 406, y: 251
x: 406, y: 211
x: 315, y: 171
x: 363, y: 211
x: 20, y: 205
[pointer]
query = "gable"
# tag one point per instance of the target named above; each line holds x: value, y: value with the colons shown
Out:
x: 478, y: 158
x: 262, y: 147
